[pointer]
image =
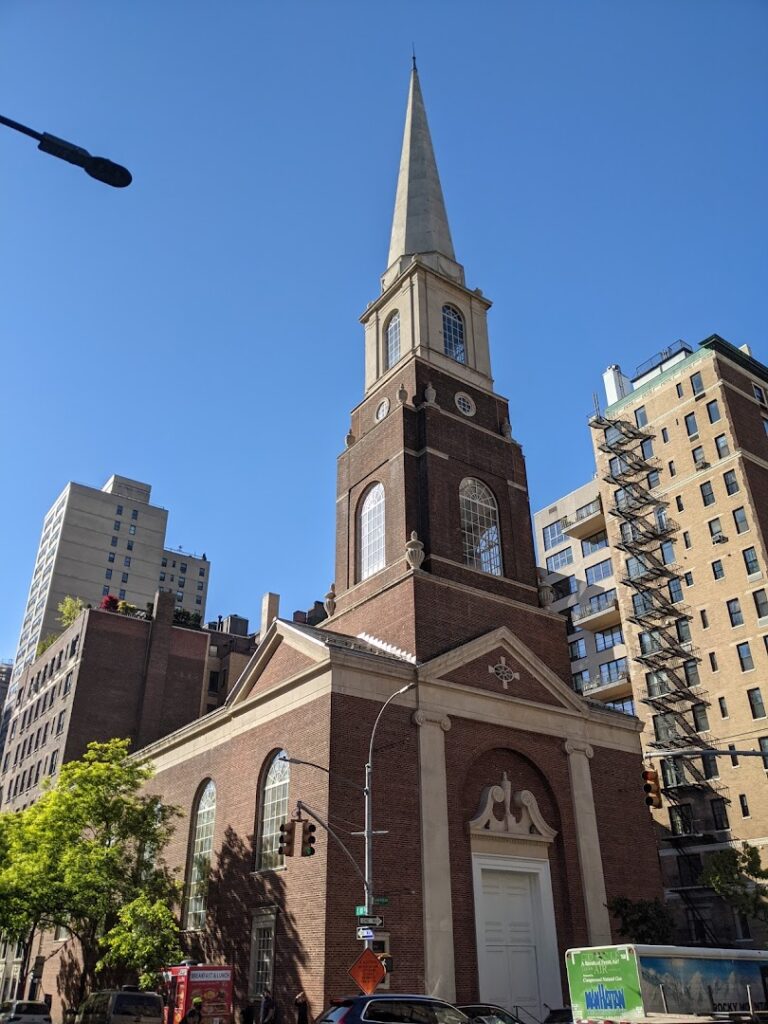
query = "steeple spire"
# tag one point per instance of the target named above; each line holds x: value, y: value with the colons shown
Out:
x: 420, y: 225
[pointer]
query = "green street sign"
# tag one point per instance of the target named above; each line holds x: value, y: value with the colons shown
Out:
x: 360, y: 911
x: 381, y: 901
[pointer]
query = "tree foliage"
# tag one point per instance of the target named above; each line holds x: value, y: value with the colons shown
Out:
x: 145, y: 937
x: 45, y: 643
x: 643, y: 921
x: 86, y: 851
x: 70, y: 610
x: 738, y: 876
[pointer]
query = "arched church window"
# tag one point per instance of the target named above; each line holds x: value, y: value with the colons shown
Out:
x: 274, y: 811
x: 453, y: 334
x: 393, y: 339
x: 201, y: 845
x: 370, y: 533
x: 480, y: 526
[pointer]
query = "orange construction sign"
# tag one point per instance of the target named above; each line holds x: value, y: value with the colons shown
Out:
x: 367, y: 972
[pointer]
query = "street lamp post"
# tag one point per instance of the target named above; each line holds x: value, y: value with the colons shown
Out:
x: 96, y: 166
x: 368, y: 831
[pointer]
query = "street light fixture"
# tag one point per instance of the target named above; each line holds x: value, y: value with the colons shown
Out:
x: 97, y: 167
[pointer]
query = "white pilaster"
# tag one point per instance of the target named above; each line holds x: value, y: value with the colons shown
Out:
x: 439, y: 970
x: 588, y: 843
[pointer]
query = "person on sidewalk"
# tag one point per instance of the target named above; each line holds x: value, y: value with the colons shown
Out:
x: 302, y: 1009
x: 194, y: 1014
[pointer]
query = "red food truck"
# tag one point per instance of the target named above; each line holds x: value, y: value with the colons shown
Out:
x: 210, y: 982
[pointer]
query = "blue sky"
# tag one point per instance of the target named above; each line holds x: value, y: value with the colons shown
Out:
x: 604, y: 168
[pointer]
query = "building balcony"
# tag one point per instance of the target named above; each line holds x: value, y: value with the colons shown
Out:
x: 597, y: 613
x: 586, y: 521
x: 608, y: 689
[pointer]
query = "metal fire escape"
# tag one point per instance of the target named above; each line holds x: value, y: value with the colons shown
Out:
x: 667, y: 656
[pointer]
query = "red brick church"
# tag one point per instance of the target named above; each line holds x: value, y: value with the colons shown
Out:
x: 510, y: 808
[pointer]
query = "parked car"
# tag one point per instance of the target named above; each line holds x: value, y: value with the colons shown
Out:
x: 563, y: 1015
x: 118, y: 1007
x: 24, y: 1012
x: 389, y: 1008
x: 489, y: 1013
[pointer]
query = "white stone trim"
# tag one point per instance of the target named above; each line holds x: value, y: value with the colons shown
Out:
x: 529, y: 825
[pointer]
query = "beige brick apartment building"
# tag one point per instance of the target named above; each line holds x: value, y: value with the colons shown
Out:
x: 680, y: 497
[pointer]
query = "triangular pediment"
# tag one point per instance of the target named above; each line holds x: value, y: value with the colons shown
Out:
x: 499, y: 662
x: 284, y: 654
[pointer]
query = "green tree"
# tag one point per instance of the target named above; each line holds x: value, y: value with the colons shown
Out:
x: 82, y: 854
x: 145, y: 937
x: 69, y: 610
x: 642, y: 921
x: 45, y: 643
x: 738, y: 876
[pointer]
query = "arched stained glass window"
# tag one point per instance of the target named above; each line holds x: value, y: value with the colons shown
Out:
x: 274, y: 811
x: 453, y: 334
x: 370, y: 532
x: 393, y: 340
x: 201, y: 845
x: 479, y: 526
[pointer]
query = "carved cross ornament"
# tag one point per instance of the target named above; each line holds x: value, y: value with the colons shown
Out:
x: 503, y: 672
x: 520, y: 815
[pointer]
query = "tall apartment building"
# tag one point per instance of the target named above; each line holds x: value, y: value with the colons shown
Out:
x: 682, y: 458
x: 105, y: 542
x: 578, y: 565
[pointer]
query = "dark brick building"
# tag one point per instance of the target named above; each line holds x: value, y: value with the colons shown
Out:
x: 509, y: 808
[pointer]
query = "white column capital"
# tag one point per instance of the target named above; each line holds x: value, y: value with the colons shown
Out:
x: 578, y: 747
x: 421, y: 717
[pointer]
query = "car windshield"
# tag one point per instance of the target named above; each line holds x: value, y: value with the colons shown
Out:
x: 492, y: 1014
x: 334, y: 1013
x: 135, y: 1005
x: 416, y: 1011
x: 35, y: 1008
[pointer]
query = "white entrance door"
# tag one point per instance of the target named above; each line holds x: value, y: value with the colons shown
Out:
x: 517, y: 949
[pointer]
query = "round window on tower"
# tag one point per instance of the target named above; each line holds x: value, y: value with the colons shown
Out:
x: 465, y: 404
x: 382, y: 409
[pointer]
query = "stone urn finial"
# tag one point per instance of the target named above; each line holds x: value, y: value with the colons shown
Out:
x: 402, y: 394
x: 329, y: 602
x: 414, y: 551
x: 349, y: 440
x: 430, y: 394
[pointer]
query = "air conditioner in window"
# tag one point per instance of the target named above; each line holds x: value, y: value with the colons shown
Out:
x: 719, y: 538
x: 701, y: 464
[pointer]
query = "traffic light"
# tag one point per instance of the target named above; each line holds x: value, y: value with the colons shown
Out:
x: 308, y: 830
x: 287, y: 838
x: 651, y: 788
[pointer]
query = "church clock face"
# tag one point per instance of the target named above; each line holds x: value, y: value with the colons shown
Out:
x: 382, y: 409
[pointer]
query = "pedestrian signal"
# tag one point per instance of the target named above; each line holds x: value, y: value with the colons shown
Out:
x: 308, y: 830
x: 287, y: 838
x: 651, y: 788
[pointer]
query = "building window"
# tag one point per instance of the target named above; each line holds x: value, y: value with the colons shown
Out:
x: 479, y: 527
x: 721, y: 444
x: 697, y: 385
x: 715, y: 528
x: 596, y: 542
x: 681, y: 820
x: 262, y: 952
x: 201, y: 572
x: 646, y: 447
x: 273, y: 811
x: 667, y: 551
x: 734, y: 755
x: 761, y: 603
x: 700, y: 718
x: 751, y: 563
x: 723, y: 706
x: 135, y: 514
x: 200, y: 586
x: 671, y: 468
x: 697, y: 454
x: 393, y: 340
x: 564, y: 587
x: 707, y: 493
x: 691, y: 670
x: 579, y: 680
x: 717, y: 569
x: 121, y: 594
x: 559, y: 560
x: 110, y: 556
x: 199, y: 866
x: 713, y: 411
x: 675, y: 591
x: 686, y: 539
x: 709, y: 766
x: 763, y: 741
x: 124, y: 578
x: 605, y: 639
x: 713, y: 661
x: 735, y: 613
x: 744, y: 805
x: 179, y: 596
x: 731, y: 483
x: 108, y: 574
x: 162, y: 577
x: 104, y: 591
x: 704, y: 618
x: 453, y: 334
x: 553, y: 535
x: 119, y: 510
x: 719, y: 814
x: 665, y: 435
x: 691, y: 426
x: 116, y: 525
x: 370, y: 532
x: 740, y: 519
x: 132, y: 529
x: 600, y: 571
x: 756, y: 706
x: 113, y: 542
x: 679, y: 503
x: 613, y: 671
x: 164, y: 562
x: 127, y: 561
x: 578, y: 649
x: 641, y: 417
x: 653, y: 479
x: 745, y: 657
x: 758, y: 393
